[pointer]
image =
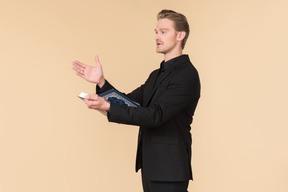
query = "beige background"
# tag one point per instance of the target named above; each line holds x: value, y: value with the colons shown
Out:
x: 50, y: 141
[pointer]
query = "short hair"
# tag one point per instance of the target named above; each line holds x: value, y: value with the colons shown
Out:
x: 179, y: 20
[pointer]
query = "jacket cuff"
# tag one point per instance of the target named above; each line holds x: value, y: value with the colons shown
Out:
x: 107, y: 86
x: 112, y: 113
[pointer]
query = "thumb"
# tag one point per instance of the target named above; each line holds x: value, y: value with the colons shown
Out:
x: 97, y: 60
x: 98, y: 64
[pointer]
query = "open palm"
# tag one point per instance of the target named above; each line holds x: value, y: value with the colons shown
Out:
x: 91, y: 74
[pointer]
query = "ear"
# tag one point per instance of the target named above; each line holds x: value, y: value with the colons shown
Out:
x: 181, y: 35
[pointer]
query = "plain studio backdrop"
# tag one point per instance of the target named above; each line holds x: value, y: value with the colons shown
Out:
x: 50, y: 141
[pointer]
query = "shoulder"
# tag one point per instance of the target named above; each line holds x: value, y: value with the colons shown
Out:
x: 186, y: 78
x: 186, y: 70
x: 153, y: 73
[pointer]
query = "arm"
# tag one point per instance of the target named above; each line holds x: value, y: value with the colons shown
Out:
x: 95, y: 75
x: 93, y: 101
x: 173, y: 99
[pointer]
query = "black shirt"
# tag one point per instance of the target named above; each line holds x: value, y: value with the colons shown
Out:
x: 165, y: 65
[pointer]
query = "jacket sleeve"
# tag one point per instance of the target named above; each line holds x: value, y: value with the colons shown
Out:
x: 177, y: 95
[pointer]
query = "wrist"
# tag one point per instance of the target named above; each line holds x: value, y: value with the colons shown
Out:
x: 107, y: 106
x: 101, y: 82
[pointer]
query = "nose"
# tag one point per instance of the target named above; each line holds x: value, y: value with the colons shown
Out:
x: 156, y: 37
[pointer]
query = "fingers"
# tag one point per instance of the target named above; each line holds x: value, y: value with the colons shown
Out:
x: 92, y: 101
x: 78, y: 64
x: 92, y: 97
x: 78, y: 67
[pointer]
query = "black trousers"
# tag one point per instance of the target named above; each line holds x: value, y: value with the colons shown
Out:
x: 163, y: 186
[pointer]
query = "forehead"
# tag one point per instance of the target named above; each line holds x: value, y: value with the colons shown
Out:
x: 165, y: 24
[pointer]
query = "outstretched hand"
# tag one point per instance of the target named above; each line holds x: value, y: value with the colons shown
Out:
x: 90, y: 74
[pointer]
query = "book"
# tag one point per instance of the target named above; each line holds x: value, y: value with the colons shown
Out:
x: 114, y: 96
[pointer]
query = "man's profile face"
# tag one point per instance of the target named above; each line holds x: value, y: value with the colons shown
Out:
x: 166, y: 36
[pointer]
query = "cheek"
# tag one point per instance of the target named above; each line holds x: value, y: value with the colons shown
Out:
x: 172, y: 38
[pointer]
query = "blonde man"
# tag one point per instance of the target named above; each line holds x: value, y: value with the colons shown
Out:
x: 168, y: 98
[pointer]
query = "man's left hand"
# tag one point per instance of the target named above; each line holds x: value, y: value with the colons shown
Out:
x: 93, y: 101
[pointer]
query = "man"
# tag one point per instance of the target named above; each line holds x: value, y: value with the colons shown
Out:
x: 168, y: 99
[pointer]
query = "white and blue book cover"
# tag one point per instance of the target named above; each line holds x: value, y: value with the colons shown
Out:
x: 113, y: 96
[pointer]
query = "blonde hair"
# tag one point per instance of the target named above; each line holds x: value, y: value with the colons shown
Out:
x: 179, y: 20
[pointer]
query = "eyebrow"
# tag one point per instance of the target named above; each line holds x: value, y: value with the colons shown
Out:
x: 161, y: 29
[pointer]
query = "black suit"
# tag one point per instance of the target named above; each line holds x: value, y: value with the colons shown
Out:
x: 168, y: 103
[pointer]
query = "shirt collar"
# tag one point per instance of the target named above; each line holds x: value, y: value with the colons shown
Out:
x: 165, y: 65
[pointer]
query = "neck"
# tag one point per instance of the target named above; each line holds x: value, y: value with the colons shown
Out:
x: 171, y: 55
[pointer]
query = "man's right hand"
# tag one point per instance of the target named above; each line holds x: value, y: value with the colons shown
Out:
x: 91, y: 74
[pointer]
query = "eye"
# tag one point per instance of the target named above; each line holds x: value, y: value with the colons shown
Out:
x: 163, y: 32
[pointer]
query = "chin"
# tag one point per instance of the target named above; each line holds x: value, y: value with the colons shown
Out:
x: 159, y: 51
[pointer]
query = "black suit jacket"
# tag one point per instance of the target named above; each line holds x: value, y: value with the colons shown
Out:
x: 164, y: 142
